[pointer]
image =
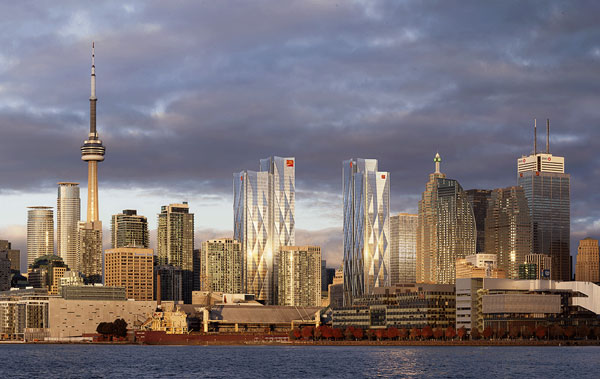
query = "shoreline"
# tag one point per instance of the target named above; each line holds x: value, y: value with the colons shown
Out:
x: 507, y: 343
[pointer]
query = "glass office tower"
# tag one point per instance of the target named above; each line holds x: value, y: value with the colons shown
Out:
x: 508, y: 229
x: 547, y: 189
x: 403, y: 251
x: 366, y: 202
x: 263, y: 221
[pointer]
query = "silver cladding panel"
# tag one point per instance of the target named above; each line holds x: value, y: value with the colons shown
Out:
x: 366, y: 199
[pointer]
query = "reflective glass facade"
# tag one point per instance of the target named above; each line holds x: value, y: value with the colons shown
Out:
x: 548, y: 198
x: 479, y: 200
x: 128, y: 229
x: 40, y: 233
x: 68, y: 208
x: 508, y: 229
x: 403, y: 250
x: 446, y: 229
x: 263, y: 221
x: 366, y: 204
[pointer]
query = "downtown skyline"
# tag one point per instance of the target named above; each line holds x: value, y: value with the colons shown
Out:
x: 172, y: 134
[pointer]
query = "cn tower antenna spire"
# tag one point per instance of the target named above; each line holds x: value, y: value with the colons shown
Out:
x: 93, y: 83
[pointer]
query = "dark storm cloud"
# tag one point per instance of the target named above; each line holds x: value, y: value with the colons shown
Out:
x: 191, y: 92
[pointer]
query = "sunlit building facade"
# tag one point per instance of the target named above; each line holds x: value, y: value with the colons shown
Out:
x: 366, y: 207
x: 175, y: 242
x: 403, y: 249
x: 299, y: 276
x: 40, y: 233
x: 128, y: 229
x: 132, y: 268
x: 264, y: 221
x: 446, y: 228
x: 587, y: 268
x: 68, y: 213
x: 508, y: 229
x: 221, y: 263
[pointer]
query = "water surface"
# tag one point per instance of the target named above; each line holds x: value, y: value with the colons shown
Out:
x: 127, y: 361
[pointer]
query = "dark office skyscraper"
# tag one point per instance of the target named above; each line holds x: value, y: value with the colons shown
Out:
x: 547, y: 189
x: 479, y: 201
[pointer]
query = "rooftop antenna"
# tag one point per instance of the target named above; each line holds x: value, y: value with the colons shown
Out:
x: 534, y: 136
x: 547, y: 136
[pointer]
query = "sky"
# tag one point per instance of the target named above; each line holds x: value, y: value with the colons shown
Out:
x: 191, y: 91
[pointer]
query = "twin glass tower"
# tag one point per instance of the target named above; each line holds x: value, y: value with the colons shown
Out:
x: 366, y: 201
x: 264, y: 204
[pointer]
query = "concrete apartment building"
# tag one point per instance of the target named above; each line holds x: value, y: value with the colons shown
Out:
x: 221, y: 265
x: 132, y: 268
x: 299, y: 276
x: 587, y: 268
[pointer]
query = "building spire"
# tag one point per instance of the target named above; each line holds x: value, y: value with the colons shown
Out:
x: 437, y: 161
x: 534, y: 136
x: 93, y: 95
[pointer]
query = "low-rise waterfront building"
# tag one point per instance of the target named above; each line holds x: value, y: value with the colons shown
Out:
x: 507, y: 303
x: 402, y: 306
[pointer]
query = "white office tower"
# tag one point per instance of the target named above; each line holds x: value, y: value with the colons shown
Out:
x: 68, y: 209
x: 263, y: 217
x: 366, y: 201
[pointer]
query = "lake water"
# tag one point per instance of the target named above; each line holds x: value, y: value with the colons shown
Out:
x: 128, y: 361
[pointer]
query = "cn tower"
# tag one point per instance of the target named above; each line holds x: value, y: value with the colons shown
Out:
x: 89, y: 257
x: 92, y: 151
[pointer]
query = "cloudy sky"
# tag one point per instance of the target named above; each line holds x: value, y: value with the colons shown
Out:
x: 190, y: 92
